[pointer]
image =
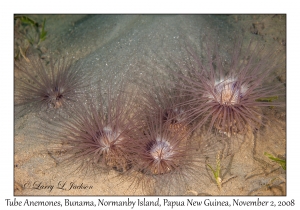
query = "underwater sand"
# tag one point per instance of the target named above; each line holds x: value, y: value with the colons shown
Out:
x: 126, y: 45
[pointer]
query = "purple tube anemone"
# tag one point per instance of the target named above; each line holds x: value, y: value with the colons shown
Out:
x: 167, y: 160
x: 97, y: 135
x: 42, y: 87
x: 228, y: 96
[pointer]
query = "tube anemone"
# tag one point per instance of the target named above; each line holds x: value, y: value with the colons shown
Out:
x: 97, y: 134
x: 160, y: 149
x: 159, y: 153
x: 42, y: 87
x: 167, y: 159
x: 229, y: 96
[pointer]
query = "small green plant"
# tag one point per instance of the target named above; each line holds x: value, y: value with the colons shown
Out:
x: 28, y: 34
x: 217, y: 171
x: 267, y: 99
x: 43, y: 33
x: 281, y: 162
